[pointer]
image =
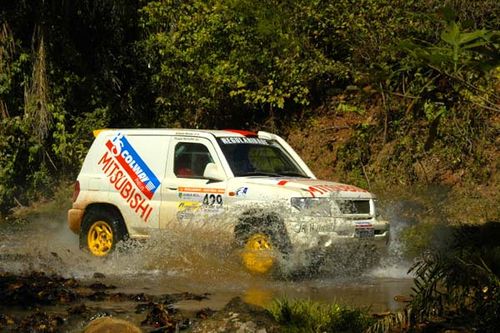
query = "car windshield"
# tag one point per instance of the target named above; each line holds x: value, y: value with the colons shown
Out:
x: 258, y: 157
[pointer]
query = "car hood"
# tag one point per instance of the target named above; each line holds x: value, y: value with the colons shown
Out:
x: 305, y: 187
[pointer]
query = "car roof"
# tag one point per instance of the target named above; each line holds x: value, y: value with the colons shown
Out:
x: 179, y: 131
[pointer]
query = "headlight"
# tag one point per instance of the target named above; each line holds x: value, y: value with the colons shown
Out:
x: 312, y: 206
x: 354, y: 206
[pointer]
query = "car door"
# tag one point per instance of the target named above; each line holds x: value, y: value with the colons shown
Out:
x: 135, y: 164
x: 188, y: 197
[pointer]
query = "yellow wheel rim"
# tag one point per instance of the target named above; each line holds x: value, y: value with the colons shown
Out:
x: 100, y: 238
x: 258, y: 255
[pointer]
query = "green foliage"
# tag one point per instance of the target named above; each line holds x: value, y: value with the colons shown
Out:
x: 419, y: 237
x: 68, y: 68
x: 215, y: 58
x: 308, y: 316
x: 25, y: 168
x: 71, y: 145
x: 11, y: 156
x: 461, y: 282
x: 459, y: 50
x: 439, y: 101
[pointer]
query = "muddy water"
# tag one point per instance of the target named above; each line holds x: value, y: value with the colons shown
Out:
x: 191, y: 261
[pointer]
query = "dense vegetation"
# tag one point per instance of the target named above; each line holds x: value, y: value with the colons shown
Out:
x: 404, y: 91
x: 372, y: 92
x: 312, y: 317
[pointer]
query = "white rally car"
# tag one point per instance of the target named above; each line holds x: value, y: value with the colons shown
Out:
x: 136, y: 181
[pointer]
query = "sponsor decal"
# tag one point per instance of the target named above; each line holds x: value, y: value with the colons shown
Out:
x: 133, y: 165
x: 322, y: 189
x: 363, y: 225
x: 186, y: 210
x: 191, y: 196
x: 209, y: 197
x: 241, y: 192
x: 364, y: 229
x: 235, y: 140
x: 202, y: 190
x: 311, y: 227
x: 199, y: 202
x: 129, y: 174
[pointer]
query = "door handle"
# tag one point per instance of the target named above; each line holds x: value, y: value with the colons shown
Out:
x: 172, y: 187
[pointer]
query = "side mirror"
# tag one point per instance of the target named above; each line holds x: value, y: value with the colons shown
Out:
x: 213, y: 172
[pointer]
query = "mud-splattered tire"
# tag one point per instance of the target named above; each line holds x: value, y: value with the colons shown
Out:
x: 101, y: 230
x: 259, y: 254
x: 263, y: 240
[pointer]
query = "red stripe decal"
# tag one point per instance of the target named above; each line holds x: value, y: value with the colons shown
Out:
x: 248, y: 134
x: 130, y: 172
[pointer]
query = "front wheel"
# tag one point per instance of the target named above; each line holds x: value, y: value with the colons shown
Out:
x: 258, y: 255
x: 101, y: 230
x: 263, y: 240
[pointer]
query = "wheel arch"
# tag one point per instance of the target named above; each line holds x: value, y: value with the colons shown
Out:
x: 109, y: 207
x: 260, y: 219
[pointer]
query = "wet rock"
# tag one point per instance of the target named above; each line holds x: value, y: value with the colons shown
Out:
x: 402, y: 298
x: 141, y: 298
x: 40, y: 322
x: 100, y: 314
x: 78, y: 309
x: 36, y: 289
x: 174, y: 298
x: 162, y: 316
x: 111, y: 325
x: 98, y: 296
x: 205, y: 313
x: 238, y: 317
x: 100, y: 286
x: 140, y: 308
x: 6, y: 321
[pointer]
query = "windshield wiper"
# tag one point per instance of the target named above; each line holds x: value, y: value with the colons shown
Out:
x: 273, y: 174
x: 259, y: 173
x: 293, y: 174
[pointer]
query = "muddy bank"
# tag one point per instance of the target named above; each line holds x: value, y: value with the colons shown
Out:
x: 37, y: 302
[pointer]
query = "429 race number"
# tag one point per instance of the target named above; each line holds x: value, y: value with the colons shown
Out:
x: 212, y: 200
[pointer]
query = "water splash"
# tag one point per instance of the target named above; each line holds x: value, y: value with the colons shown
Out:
x: 394, y: 264
x: 195, y: 258
x: 200, y: 249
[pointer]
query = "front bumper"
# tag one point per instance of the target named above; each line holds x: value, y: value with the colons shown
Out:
x: 371, y: 233
x: 75, y: 217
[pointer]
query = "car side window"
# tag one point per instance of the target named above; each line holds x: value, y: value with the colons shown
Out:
x: 190, y: 159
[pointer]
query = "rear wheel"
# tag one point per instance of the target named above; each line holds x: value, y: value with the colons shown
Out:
x: 101, y: 230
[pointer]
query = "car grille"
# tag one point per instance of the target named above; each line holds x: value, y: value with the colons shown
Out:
x: 354, y: 207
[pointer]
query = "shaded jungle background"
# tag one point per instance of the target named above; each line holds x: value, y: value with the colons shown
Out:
x: 382, y: 94
x: 399, y: 97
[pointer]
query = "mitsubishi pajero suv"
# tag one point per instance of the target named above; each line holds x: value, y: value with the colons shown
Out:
x: 135, y: 182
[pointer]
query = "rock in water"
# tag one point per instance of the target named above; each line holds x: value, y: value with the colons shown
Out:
x: 111, y: 325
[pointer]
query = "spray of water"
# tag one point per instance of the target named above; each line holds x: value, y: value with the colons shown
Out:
x: 393, y: 264
x: 201, y: 249
x: 199, y: 256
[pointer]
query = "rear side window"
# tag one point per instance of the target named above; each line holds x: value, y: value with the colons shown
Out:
x: 191, y: 159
